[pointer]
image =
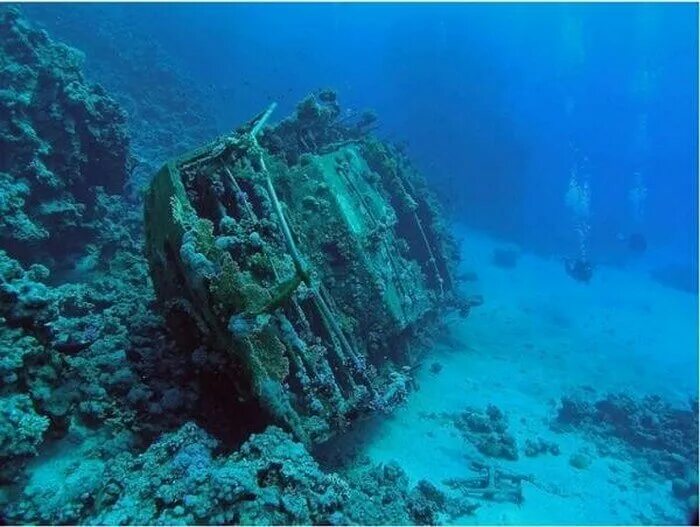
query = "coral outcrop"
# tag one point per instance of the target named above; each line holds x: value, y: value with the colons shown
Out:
x: 61, y: 139
x: 167, y: 112
x: 92, y: 351
x: 650, y: 428
x: 81, y: 344
x: 487, y: 431
x: 270, y: 480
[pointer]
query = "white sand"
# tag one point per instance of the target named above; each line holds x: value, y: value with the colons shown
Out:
x: 538, y: 336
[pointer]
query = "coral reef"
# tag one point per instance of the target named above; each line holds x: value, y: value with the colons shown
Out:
x: 649, y: 424
x: 271, y: 480
x: 61, y: 140
x: 645, y: 427
x: 21, y: 429
x: 81, y: 343
x: 166, y: 114
x: 92, y: 351
x: 487, y: 431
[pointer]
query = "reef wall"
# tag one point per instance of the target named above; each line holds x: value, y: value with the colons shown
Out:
x: 80, y: 343
x: 63, y: 146
x: 168, y: 113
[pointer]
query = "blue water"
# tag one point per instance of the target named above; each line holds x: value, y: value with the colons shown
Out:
x: 479, y: 92
x: 496, y: 104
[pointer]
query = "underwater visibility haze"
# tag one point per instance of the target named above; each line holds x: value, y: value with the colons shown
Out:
x: 348, y: 263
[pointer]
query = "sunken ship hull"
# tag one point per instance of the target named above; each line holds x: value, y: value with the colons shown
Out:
x: 305, y: 262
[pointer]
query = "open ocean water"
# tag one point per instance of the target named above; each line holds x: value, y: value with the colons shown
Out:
x: 561, y: 143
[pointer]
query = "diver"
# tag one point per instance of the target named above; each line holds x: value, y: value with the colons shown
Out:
x: 636, y: 242
x: 580, y: 269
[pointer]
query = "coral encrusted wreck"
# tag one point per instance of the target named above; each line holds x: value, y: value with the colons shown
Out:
x: 303, y: 256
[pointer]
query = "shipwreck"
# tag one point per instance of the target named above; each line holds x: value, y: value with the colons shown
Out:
x: 308, y: 257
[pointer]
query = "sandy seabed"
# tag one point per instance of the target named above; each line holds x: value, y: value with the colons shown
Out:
x: 540, y: 336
